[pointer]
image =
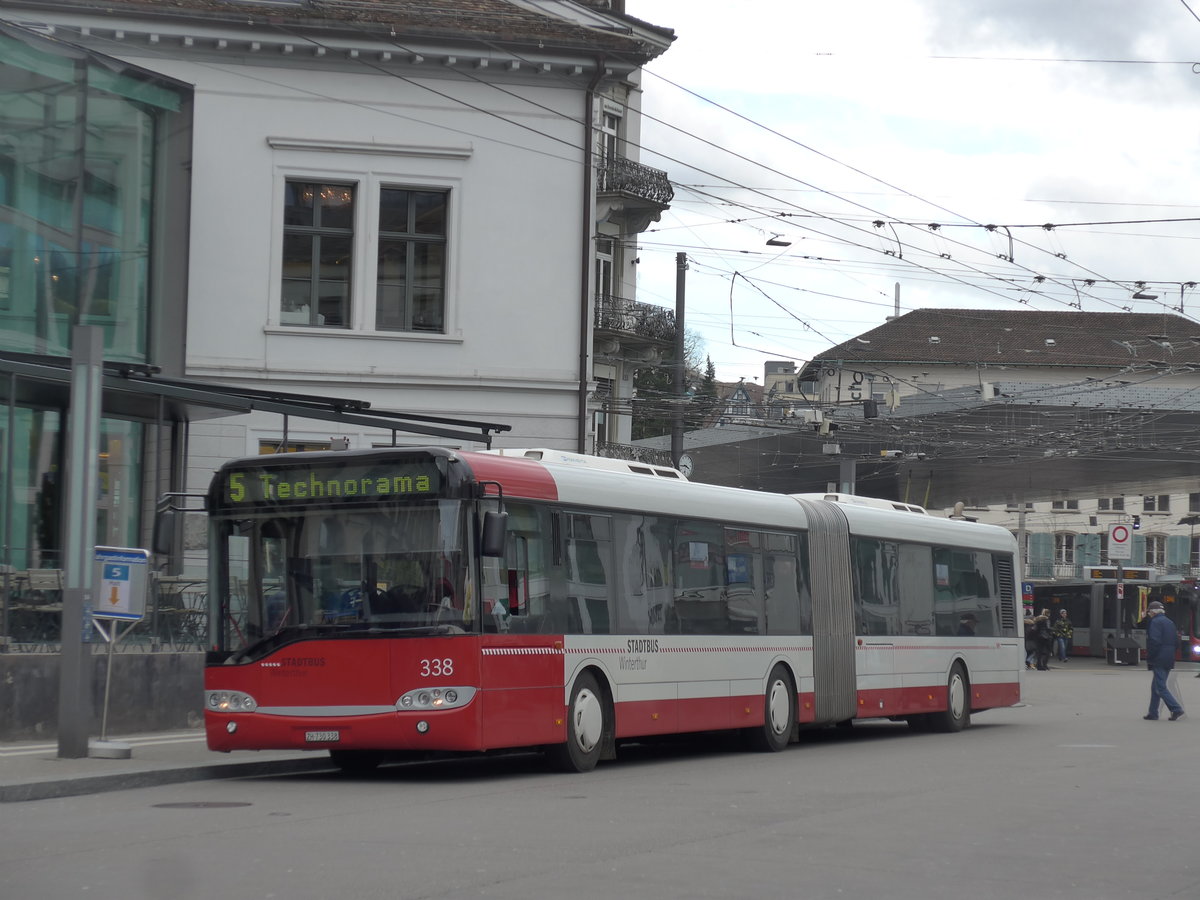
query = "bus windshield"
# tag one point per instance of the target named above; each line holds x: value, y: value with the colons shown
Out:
x: 390, y: 568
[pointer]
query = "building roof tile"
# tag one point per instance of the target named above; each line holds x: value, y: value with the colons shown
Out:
x: 1028, y: 338
x: 502, y: 21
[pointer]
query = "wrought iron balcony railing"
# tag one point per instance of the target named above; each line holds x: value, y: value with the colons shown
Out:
x: 636, y: 454
x: 622, y: 176
x: 631, y: 317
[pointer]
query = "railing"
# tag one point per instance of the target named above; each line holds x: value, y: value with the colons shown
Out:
x: 31, y: 600
x: 1046, y: 569
x: 623, y: 176
x: 1076, y: 571
x: 636, y: 454
x: 631, y: 317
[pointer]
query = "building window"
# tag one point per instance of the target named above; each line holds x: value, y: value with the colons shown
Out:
x: 1156, y: 503
x: 1064, y: 504
x: 1111, y: 504
x: 1064, y: 549
x: 410, y: 293
x: 1156, y: 551
x: 1194, y: 503
x: 605, y: 261
x: 1194, y: 556
x: 610, y: 130
x: 318, y: 247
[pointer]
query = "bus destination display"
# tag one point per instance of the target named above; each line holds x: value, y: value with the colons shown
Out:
x: 305, y: 484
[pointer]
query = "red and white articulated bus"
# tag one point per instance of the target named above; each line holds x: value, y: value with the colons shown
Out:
x: 383, y: 603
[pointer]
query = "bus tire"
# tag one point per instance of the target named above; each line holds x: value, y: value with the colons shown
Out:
x: 957, y: 714
x: 356, y: 762
x: 589, y: 720
x: 779, y: 714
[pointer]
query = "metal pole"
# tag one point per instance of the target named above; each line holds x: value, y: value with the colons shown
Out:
x: 1122, y: 624
x: 847, y: 476
x: 109, y: 639
x: 680, y: 361
x: 74, y: 694
x: 10, y: 493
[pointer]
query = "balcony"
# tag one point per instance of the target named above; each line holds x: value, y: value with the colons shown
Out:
x: 633, y: 322
x: 630, y: 194
x: 1043, y: 569
x: 623, y: 176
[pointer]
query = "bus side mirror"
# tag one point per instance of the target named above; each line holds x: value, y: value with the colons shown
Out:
x: 495, y: 530
x: 163, y: 540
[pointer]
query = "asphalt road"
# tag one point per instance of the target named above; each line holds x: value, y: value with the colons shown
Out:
x: 1069, y: 796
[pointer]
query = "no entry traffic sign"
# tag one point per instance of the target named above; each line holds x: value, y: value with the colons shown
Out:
x: 1120, y: 541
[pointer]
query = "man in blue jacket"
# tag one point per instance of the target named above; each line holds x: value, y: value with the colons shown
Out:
x: 1161, y: 641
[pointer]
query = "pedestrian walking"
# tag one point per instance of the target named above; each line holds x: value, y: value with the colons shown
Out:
x: 1062, y: 629
x: 1030, y: 639
x: 1161, y: 642
x: 1043, y: 639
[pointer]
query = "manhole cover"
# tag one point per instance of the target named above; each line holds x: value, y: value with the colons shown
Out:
x: 202, y: 804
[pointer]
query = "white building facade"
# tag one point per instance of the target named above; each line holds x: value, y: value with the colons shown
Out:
x: 405, y: 205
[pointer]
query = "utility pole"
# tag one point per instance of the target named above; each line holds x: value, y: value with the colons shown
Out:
x: 75, y: 673
x: 677, y: 388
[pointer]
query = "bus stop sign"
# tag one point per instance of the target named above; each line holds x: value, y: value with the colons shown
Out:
x: 1120, y: 541
x: 120, y: 583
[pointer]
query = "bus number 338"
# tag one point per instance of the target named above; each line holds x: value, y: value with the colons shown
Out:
x: 432, y: 668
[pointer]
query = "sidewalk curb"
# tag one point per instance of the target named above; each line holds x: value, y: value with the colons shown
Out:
x: 119, y: 781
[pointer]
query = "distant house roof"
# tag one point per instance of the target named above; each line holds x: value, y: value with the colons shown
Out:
x: 987, y: 337
x: 512, y: 22
x: 740, y: 393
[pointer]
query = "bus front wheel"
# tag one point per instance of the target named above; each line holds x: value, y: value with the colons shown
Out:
x: 588, y: 722
x: 779, y: 714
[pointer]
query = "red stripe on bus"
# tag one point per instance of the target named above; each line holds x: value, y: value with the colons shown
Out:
x: 535, y: 715
x: 525, y: 478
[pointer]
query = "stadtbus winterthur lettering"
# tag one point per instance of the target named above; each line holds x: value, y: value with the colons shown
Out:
x: 253, y: 487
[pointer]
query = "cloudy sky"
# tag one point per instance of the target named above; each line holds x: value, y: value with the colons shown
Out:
x: 881, y: 138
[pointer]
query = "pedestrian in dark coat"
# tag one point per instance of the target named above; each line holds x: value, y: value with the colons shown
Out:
x: 1030, y: 639
x: 1043, y: 638
x: 1161, y: 642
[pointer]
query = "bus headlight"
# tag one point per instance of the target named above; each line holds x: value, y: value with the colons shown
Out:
x: 229, y: 701
x: 435, y: 698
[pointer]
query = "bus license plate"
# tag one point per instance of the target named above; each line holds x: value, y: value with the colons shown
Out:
x: 321, y: 737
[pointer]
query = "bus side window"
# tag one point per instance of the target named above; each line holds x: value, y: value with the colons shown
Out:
x: 506, y: 593
x: 516, y: 586
x: 518, y: 577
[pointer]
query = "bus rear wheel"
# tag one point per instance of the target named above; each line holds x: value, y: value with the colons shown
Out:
x: 957, y: 714
x: 589, y: 722
x: 779, y: 714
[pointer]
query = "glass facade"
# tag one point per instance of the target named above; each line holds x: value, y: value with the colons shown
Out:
x: 77, y: 168
x: 83, y: 140
x: 32, y: 524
